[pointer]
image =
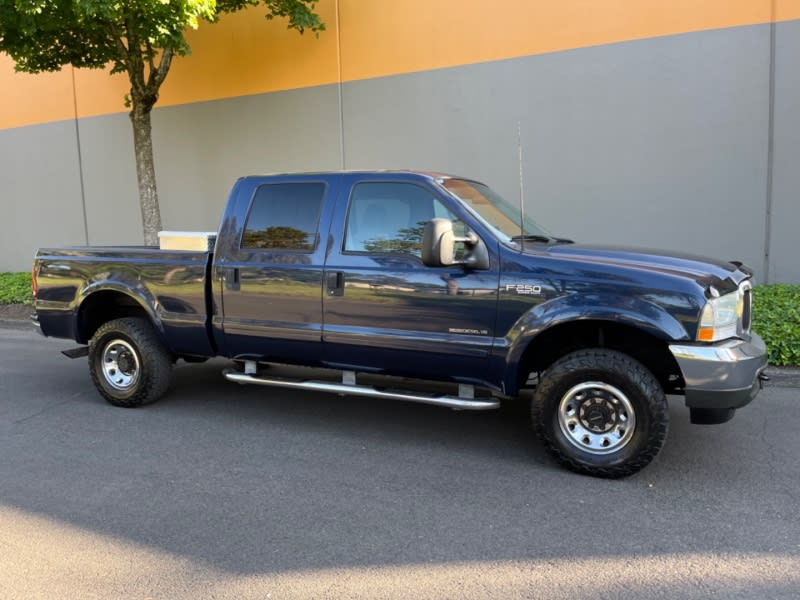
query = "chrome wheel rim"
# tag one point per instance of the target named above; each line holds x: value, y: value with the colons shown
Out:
x: 120, y: 365
x: 596, y: 417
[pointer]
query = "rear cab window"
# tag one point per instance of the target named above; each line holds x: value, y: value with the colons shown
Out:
x: 284, y: 216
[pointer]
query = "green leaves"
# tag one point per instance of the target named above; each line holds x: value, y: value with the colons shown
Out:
x: 44, y: 35
x: 776, y: 318
x: 15, y: 288
x: 299, y: 13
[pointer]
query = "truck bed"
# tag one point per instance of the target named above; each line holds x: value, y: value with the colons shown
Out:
x: 171, y: 286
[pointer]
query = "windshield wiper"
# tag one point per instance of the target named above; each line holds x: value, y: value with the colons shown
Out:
x: 531, y: 237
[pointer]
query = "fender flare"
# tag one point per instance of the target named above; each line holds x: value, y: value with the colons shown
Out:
x: 136, y: 292
x: 615, y: 309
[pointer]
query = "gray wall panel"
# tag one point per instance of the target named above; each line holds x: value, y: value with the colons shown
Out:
x: 785, y: 243
x: 201, y: 149
x: 109, y: 177
x: 40, y: 196
x: 661, y: 142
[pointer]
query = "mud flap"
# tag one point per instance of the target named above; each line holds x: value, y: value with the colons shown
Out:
x: 78, y: 352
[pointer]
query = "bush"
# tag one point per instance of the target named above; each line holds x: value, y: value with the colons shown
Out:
x: 776, y: 318
x: 15, y: 288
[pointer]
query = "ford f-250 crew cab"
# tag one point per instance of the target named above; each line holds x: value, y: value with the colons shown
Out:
x: 418, y: 276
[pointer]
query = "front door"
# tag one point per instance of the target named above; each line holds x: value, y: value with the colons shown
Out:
x: 385, y: 311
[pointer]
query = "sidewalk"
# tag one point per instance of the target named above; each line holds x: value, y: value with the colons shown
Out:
x: 17, y: 316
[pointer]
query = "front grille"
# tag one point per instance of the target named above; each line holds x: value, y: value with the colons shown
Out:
x: 747, y: 308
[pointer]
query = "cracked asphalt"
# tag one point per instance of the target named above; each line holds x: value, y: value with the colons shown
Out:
x: 222, y: 491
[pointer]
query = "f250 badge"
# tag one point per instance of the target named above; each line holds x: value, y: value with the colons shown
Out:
x: 524, y: 289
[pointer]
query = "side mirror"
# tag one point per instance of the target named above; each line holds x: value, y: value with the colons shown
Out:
x: 438, y: 246
x: 438, y: 243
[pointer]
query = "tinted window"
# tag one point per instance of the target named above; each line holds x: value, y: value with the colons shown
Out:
x: 390, y: 217
x: 285, y: 216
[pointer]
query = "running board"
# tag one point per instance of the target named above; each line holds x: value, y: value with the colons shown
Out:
x: 363, y: 390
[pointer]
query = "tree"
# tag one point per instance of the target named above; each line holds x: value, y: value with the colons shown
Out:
x: 136, y: 37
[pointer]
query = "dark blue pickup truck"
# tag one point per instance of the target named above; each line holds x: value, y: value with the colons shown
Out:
x: 433, y: 288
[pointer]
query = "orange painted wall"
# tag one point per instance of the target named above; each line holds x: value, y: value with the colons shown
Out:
x: 245, y: 54
x: 417, y: 35
x: 29, y: 99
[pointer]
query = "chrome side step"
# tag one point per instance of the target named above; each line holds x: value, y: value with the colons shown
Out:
x: 353, y: 389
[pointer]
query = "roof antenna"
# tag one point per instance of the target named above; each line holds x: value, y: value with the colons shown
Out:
x: 521, y: 191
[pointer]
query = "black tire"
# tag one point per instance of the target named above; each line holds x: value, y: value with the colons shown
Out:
x: 565, y: 419
x: 129, y: 365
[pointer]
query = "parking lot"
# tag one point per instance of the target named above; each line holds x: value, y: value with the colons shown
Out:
x: 231, y: 492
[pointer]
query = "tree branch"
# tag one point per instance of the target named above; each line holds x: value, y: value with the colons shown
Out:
x: 163, y: 68
x: 136, y: 70
x: 150, y: 55
x: 123, y: 49
x: 117, y: 38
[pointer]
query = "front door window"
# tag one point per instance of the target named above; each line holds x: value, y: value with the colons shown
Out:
x: 391, y: 217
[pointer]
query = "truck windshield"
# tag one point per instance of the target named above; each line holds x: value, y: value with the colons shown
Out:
x: 495, y: 212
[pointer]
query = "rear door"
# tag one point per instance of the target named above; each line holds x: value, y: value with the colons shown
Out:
x: 271, y: 273
x: 387, y: 312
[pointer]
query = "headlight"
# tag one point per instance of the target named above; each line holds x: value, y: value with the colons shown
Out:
x: 719, y: 318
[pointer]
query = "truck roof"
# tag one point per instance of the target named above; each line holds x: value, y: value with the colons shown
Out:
x: 366, y: 172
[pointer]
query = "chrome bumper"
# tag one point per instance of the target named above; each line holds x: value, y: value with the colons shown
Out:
x: 723, y: 375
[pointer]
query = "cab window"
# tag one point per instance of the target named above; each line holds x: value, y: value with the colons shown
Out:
x: 390, y: 217
x: 284, y: 216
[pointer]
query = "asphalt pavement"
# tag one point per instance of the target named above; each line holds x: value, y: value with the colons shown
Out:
x: 224, y: 491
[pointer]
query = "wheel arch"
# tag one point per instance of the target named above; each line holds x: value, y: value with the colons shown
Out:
x: 101, y: 304
x: 642, y: 344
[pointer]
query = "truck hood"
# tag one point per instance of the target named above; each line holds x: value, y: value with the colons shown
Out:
x: 703, y: 270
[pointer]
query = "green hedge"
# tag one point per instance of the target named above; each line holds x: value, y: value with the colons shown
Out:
x: 776, y: 318
x: 15, y: 288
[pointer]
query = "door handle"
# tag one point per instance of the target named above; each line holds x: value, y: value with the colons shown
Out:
x: 336, y: 284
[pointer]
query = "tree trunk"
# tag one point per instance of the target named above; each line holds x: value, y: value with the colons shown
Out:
x: 146, y: 173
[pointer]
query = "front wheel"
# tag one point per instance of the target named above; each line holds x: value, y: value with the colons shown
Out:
x: 128, y: 363
x: 599, y: 412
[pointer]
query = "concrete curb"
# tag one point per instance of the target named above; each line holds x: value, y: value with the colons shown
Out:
x: 17, y: 324
x: 784, y: 377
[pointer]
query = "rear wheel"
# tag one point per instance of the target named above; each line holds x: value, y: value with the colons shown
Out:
x: 600, y: 412
x: 128, y: 363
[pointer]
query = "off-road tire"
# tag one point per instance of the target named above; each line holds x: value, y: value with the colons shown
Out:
x: 153, y: 362
x: 625, y: 374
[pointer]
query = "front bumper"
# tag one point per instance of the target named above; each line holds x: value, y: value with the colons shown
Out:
x: 722, y: 376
